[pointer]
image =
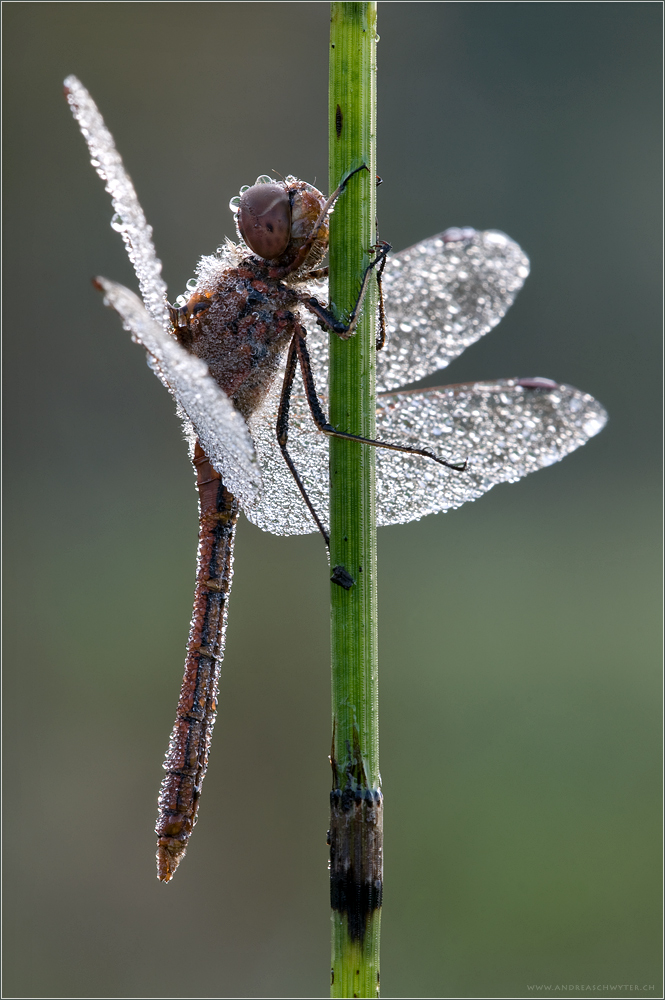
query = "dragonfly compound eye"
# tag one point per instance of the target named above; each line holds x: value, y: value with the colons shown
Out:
x: 264, y: 220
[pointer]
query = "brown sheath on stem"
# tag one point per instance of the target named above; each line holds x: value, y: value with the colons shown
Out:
x: 189, y: 746
x: 356, y: 856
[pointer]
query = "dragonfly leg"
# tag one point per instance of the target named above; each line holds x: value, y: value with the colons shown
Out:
x: 303, y: 253
x: 283, y: 432
x: 317, y: 273
x: 381, y: 334
x: 298, y: 344
x: 326, y: 317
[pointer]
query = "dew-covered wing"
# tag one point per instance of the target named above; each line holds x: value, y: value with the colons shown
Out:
x: 129, y: 219
x: 279, y: 508
x: 442, y: 295
x: 223, y: 433
x: 504, y: 429
x: 317, y: 339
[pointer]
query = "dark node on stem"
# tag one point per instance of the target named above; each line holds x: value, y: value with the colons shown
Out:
x: 339, y: 118
x: 356, y: 856
x: 342, y: 577
x: 356, y: 841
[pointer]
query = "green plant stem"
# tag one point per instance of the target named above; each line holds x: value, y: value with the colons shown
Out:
x: 356, y: 803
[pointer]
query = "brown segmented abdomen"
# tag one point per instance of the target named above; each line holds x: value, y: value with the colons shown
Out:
x: 187, y: 756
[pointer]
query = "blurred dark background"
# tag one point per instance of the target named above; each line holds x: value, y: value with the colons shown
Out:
x: 519, y: 636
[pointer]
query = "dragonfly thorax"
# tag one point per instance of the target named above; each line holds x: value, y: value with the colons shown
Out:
x: 240, y: 328
x: 239, y: 318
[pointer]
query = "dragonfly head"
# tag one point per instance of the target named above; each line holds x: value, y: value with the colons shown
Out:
x: 275, y: 218
x: 264, y: 219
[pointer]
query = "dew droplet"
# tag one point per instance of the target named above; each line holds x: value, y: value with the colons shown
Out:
x: 117, y: 223
x: 191, y: 284
x: 264, y: 179
x: 593, y: 424
x: 455, y: 235
x: 234, y: 204
x: 493, y: 236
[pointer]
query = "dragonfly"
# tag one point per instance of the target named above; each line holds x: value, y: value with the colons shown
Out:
x: 440, y: 447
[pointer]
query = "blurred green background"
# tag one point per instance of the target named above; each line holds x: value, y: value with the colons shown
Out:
x: 519, y: 636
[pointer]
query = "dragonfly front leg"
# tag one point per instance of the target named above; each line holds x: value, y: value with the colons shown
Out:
x: 303, y: 253
x: 381, y: 335
x: 326, y: 317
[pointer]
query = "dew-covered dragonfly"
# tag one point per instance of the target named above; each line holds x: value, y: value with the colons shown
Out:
x: 228, y: 352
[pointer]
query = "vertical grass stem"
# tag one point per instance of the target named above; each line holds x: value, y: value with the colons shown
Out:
x: 356, y: 825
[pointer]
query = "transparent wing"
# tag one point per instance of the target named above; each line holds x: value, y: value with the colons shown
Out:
x: 503, y: 429
x: 442, y: 295
x: 317, y: 339
x: 279, y: 508
x: 223, y: 433
x: 129, y: 219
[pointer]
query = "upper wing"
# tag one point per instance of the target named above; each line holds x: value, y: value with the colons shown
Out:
x: 223, y: 433
x: 129, y: 219
x: 440, y: 296
x: 504, y: 429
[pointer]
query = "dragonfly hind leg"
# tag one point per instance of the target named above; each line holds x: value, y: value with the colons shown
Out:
x: 298, y: 355
x: 300, y: 347
x: 283, y: 431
